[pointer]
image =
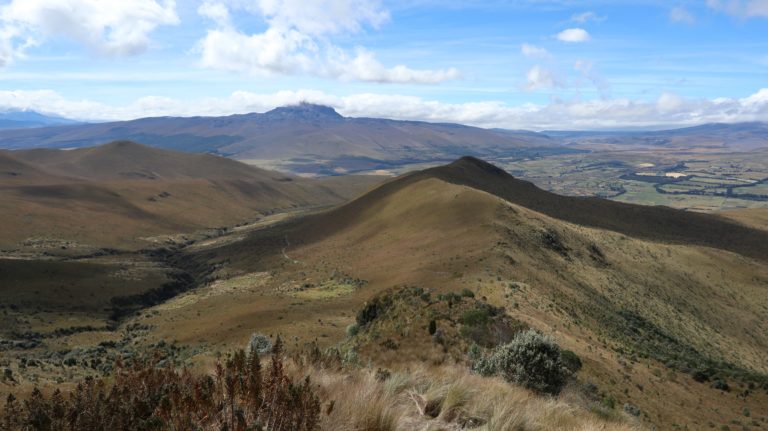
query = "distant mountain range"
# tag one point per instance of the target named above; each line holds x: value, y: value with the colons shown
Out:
x: 316, y: 139
x: 736, y: 136
x: 305, y: 137
x: 20, y: 119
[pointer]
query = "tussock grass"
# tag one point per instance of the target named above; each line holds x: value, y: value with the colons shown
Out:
x: 445, y: 398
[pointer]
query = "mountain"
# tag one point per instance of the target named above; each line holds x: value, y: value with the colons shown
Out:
x: 305, y: 137
x: 664, y: 307
x: 733, y: 136
x: 18, y: 119
x: 114, y: 194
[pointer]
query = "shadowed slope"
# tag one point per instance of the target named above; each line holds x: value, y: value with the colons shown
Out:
x: 655, y: 223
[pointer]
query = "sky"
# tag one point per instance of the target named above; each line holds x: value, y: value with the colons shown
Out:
x: 525, y: 64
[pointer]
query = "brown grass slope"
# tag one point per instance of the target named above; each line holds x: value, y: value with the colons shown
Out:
x: 655, y: 223
x: 643, y: 311
x: 115, y: 193
x: 129, y: 160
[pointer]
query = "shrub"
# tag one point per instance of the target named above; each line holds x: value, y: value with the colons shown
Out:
x: 466, y: 293
x: 531, y: 360
x: 432, y: 327
x: 259, y: 343
x: 353, y: 330
x: 571, y: 361
x: 632, y: 409
x: 609, y: 402
x: 373, y: 309
x: 721, y: 385
x: 240, y: 395
x: 475, y: 317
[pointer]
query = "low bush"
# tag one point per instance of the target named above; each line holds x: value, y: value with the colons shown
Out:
x: 239, y: 396
x: 475, y: 317
x: 571, y: 361
x: 373, y: 309
x: 259, y: 343
x: 353, y: 330
x: 531, y: 360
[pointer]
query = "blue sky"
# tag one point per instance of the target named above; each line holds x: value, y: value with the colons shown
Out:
x: 516, y: 64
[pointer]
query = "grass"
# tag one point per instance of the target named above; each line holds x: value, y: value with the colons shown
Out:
x: 328, y: 289
x: 455, y: 398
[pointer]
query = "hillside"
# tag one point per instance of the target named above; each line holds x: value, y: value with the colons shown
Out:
x: 658, y: 317
x: 303, y: 137
x: 746, y: 136
x: 115, y: 194
x: 21, y: 119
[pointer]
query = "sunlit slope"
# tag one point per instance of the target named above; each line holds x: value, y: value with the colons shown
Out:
x: 652, y: 304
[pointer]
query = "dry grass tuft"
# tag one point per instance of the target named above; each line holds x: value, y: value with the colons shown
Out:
x: 445, y: 398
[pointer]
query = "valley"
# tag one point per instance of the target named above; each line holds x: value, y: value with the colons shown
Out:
x: 667, y: 323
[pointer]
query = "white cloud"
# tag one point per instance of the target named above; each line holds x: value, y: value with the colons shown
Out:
x: 216, y: 12
x: 539, y: 78
x: 669, y: 110
x: 298, y: 41
x: 741, y: 8
x: 573, y: 35
x: 583, y: 17
x: 680, y: 14
x: 534, y: 51
x: 107, y: 27
x: 322, y: 17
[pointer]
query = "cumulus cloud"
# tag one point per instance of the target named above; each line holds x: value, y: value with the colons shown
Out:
x: 668, y: 110
x: 534, y: 51
x: 680, y: 14
x: 107, y: 27
x: 298, y: 41
x: 741, y: 8
x: 573, y: 35
x: 583, y: 17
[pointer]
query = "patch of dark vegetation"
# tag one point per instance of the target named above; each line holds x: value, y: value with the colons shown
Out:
x: 644, y: 339
x: 597, y: 254
x: 123, y: 306
x: 373, y: 309
x: 570, y: 360
x: 148, y: 395
x: 551, y: 239
x: 19, y: 344
x: 186, y: 274
x: 453, y: 321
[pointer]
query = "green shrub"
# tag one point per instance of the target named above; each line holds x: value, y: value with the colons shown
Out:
x: 353, y: 329
x: 531, y: 359
x: 571, y: 361
x: 373, y: 309
x: 466, y: 293
x: 609, y: 402
x: 475, y: 317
